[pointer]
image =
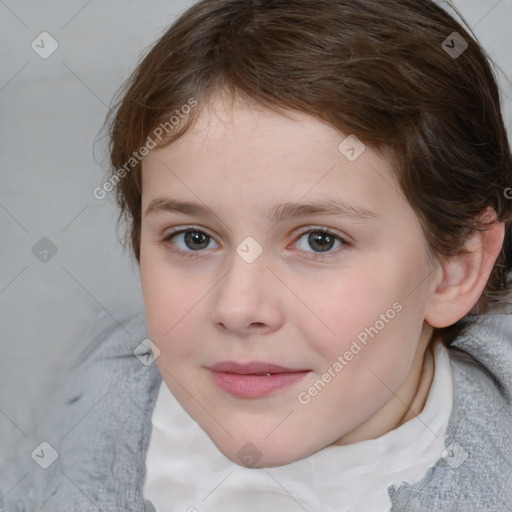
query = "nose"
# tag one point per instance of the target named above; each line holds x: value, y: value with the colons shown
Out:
x: 248, y: 299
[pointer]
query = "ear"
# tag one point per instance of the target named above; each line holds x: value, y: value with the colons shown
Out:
x: 465, y: 275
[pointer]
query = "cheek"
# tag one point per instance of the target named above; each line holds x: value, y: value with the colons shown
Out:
x: 364, y: 374
x: 346, y: 306
x: 170, y: 300
x: 370, y: 318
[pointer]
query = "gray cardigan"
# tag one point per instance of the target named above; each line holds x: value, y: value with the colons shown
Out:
x: 99, y: 422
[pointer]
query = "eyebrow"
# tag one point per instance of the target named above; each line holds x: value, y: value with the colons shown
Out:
x: 278, y: 213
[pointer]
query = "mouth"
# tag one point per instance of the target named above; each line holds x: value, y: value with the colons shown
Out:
x: 254, y: 380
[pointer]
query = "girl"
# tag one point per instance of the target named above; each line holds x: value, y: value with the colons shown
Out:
x: 316, y: 193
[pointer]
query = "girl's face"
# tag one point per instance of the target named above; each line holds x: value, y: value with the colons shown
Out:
x: 269, y: 248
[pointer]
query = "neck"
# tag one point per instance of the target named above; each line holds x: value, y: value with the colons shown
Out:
x: 422, y: 389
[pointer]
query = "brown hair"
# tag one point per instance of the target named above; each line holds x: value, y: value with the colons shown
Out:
x: 378, y: 70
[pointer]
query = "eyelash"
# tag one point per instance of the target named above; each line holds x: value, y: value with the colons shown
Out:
x: 197, y: 254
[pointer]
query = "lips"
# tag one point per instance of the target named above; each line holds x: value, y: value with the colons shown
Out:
x: 254, y: 380
x: 256, y: 368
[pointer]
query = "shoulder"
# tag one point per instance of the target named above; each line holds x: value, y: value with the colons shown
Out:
x: 485, y: 349
x: 95, y: 424
x: 475, y: 471
x: 112, y: 359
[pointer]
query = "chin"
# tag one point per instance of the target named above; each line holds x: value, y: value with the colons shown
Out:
x: 261, y: 453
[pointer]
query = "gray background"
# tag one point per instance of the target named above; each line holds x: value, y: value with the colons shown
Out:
x: 52, y: 111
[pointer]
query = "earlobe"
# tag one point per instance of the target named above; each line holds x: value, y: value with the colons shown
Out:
x: 465, y: 275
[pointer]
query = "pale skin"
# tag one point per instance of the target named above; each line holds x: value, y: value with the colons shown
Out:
x: 288, y: 307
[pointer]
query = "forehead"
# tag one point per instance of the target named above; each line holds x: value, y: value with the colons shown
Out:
x: 239, y: 153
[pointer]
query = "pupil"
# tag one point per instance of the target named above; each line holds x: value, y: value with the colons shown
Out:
x: 323, y: 241
x: 196, y: 237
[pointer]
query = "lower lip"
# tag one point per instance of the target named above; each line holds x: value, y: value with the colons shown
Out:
x: 254, y: 386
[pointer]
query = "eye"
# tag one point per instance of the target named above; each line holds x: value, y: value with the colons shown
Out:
x: 188, y: 241
x: 320, y: 240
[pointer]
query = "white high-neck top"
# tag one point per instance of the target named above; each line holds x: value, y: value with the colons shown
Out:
x: 186, y: 472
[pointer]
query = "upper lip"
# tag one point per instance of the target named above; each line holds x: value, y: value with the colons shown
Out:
x: 252, y: 368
